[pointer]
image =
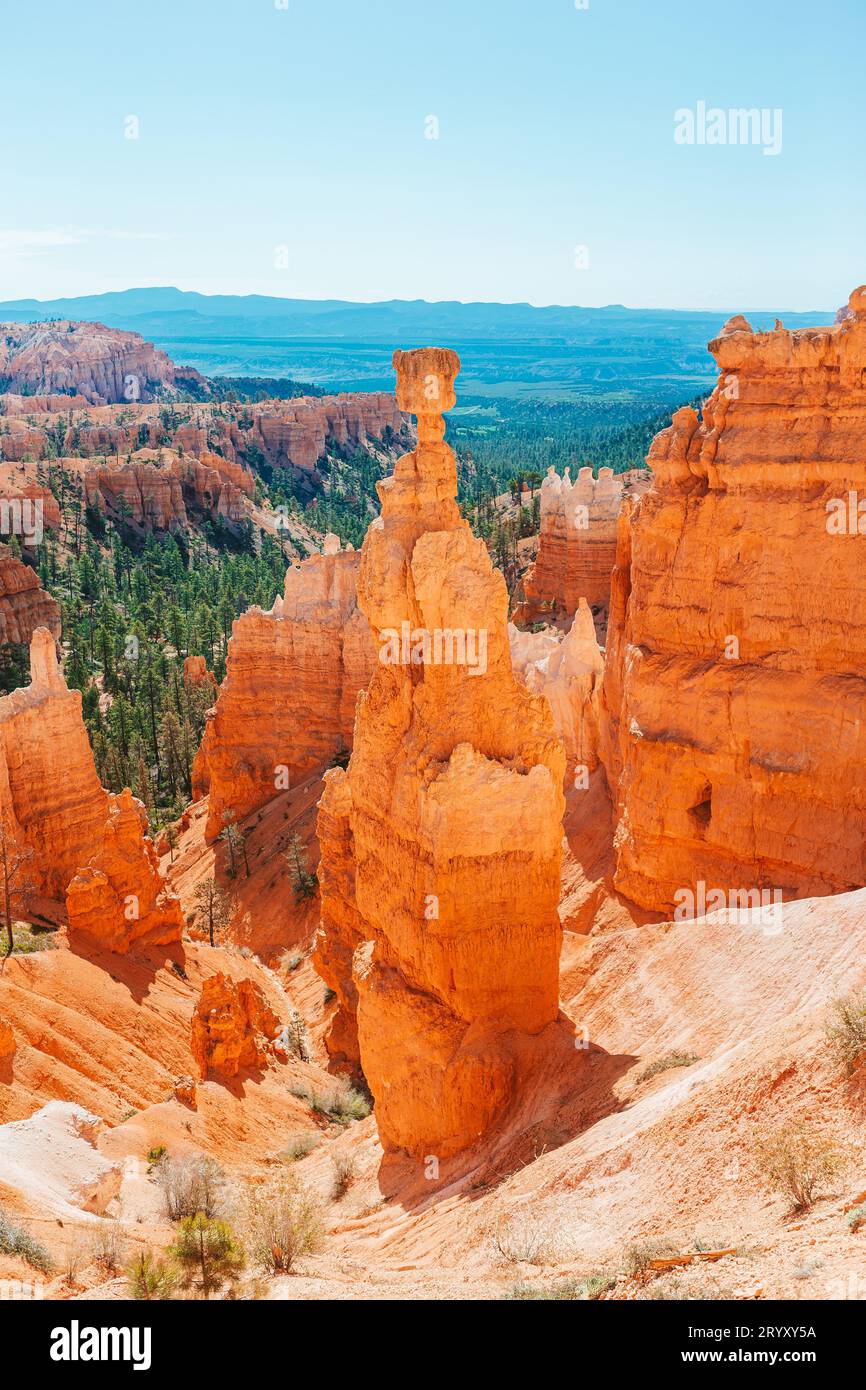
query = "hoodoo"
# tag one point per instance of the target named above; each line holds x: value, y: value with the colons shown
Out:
x: 735, y: 739
x: 450, y: 810
x: 50, y: 797
x: 287, y: 703
x: 577, y: 539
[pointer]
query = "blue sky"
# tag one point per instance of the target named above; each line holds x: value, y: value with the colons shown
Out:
x: 303, y: 128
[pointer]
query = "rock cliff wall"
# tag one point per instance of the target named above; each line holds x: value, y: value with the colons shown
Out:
x: 735, y: 687
x: 287, y: 704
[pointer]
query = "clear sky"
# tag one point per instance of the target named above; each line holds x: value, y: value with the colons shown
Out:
x: 303, y: 128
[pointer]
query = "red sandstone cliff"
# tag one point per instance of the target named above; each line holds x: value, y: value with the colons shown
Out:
x: 287, y: 704
x: 120, y: 898
x: 50, y: 795
x: 451, y: 807
x: 83, y: 843
x: 82, y: 359
x: 24, y: 604
x: 735, y: 688
x: 155, y: 489
x: 577, y: 539
x: 285, y: 434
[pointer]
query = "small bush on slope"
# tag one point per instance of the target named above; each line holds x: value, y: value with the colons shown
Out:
x: 846, y: 1030
x: 150, y: 1278
x: 673, y: 1059
x: 282, y: 1221
x: 15, y: 1240
x: 799, y: 1163
x: 190, y: 1185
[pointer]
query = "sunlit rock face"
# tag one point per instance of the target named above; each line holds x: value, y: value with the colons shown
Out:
x: 735, y: 683
x: 287, y: 704
x: 577, y: 540
x: 449, y: 812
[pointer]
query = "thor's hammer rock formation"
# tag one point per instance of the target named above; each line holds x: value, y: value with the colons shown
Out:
x: 449, y: 812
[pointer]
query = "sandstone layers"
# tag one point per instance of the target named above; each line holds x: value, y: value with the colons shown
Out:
x: 567, y: 670
x: 24, y: 604
x: 120, y: 898
x: 450, y: 810
x: 50, y: 795
x: 80, y: 841
x: 85, y: 360
x: 153, y: 490
x: 293, y: 434
x: 287, y: 704
x: 577, y: 539
x: 231, y: 1025
x: 735, y: 688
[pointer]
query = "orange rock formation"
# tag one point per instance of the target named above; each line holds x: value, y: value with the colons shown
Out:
x: 451, y: 806
x: 287, y: 704
x: 152, y: 489
x: 83, y: 843
x: 577, y: 539
x: 285, y: 434
x: 734, y: 690
x: 50, y: 795
x: 120, y: 898
x: 24, y: 604
x: 230, y: 1026
x: 568, y: 671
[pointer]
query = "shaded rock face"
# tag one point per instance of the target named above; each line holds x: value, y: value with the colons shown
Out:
x: 230, y: 1027
x: 24, y: 604
x: 450, y: 810
x: 287, y: 704
x: 734, y: 734
x: 84, y: 844
x: 50, y: 794
x: 153, y: 489
x: 567, y: 670
x: 577, y: 539
x: 81, y: 359
x: 120, y: 898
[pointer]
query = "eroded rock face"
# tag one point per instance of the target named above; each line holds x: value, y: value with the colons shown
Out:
x: 293, y: 434
x: 735, y: 692
x: 154, y: 489
x: 120, y: 898
x: 84, y: 359
x: 287, y: 704
x: 8, y: 1045
x: 567, y: 670
x: 577, y: 539
x: 451, y: 808
x: 50, y: 794
x: 24, y: 604
x: 231, y: 1025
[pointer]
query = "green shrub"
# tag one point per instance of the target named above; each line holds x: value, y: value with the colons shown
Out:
x: 672, y: 1059
x: 15, y: 1240
x: 151, y: 1278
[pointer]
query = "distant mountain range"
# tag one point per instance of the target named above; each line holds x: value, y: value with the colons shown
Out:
x: 517, y: 350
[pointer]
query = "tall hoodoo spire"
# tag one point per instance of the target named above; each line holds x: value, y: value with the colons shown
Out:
x: 443, y: 845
